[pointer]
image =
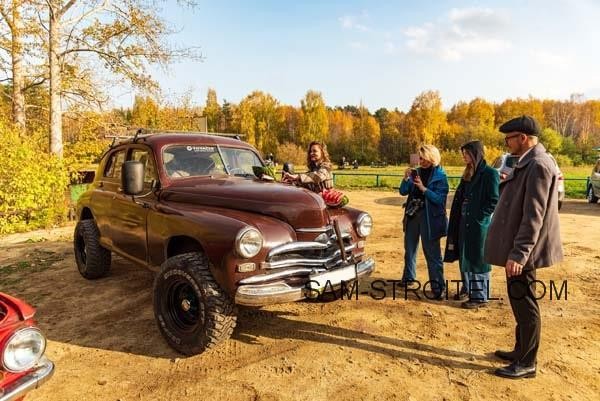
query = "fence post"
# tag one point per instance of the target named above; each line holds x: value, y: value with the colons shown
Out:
x: 377, y: 181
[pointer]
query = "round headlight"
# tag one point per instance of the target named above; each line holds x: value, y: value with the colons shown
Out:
x: 364, y: 225
x: 249, y: 242
x: 23, y: 350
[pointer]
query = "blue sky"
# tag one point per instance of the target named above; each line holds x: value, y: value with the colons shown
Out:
x: 384, y: 54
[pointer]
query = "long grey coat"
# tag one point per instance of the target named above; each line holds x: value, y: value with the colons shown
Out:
x: 525, y: 225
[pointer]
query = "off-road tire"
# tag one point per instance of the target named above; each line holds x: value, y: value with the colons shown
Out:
x: 192, y: 311
x: 93, y: 260
x: 591, y: 197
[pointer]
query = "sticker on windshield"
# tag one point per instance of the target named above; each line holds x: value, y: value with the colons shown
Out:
x: 202, y: 149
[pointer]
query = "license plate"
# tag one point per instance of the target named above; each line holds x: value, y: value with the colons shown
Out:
x: 335, y: 277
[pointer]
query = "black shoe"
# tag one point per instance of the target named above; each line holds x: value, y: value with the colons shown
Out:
x: 516, y: 371
x: 461, y: 296
x: 473, y: 304
x: 506, y: 355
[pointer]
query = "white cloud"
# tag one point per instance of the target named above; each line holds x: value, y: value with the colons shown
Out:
x: 354, y: 22
x: 461, y: 32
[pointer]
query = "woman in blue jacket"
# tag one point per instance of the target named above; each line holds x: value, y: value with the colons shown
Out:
x: 425, y: 218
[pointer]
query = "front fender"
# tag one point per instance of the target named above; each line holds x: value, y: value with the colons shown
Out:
x: 215, y: 229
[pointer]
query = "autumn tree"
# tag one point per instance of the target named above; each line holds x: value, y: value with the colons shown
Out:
x: 289, y: 120
x: 392, y: 145
x: 17, y: 20
x: 341, y: 125
x: 551, y: 140
x: 314, y: 125
x: 145, y: 113
x: 226, y: 121
x: 123, y: 36
x: 426, y: 120
x: 512, y: 108
x: 212, y: 111
x: 366, y: 134
x: 258, y: 120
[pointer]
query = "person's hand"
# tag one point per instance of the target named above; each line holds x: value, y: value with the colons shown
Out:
x: 419, y: 184
x: 289, y: 178
x: 407, y: 173
x: 513, y: 268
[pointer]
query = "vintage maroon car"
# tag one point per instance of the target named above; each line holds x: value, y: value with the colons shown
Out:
x: 189, y: 206
x: 22, y: 347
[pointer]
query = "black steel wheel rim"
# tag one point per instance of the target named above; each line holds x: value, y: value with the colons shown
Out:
x: 183, y: 306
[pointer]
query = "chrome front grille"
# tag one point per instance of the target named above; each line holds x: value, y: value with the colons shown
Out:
x: 314, y: 254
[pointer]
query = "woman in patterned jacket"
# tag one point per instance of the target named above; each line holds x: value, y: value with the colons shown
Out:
x: 319, y: 176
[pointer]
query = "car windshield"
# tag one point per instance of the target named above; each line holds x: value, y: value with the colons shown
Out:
x: 198, y: 160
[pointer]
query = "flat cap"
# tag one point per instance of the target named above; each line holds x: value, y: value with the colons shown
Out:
x: 524, y: 124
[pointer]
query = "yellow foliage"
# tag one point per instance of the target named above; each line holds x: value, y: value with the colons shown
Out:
x: 32, y: 183
x: 289, y: 152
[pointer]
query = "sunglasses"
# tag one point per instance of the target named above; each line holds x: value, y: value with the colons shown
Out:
x: 506, y: 138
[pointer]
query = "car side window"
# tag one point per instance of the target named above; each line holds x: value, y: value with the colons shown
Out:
x: 144, y: 156
x: 114, y: 165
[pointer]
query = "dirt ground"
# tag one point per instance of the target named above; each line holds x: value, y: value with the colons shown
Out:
x: 106, y: 346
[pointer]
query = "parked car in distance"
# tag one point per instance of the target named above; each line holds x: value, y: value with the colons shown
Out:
x: 593, y: 184
x: 506, y: 163
x: 23, y: 366
x: 190, y: 207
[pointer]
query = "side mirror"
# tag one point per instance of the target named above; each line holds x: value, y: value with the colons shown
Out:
x: 288, y: 167
x: 132, y: 177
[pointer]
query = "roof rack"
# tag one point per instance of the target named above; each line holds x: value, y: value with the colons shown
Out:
x: 167, y: 131
x: 119, y: 139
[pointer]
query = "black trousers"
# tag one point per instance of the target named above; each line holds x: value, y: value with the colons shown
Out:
x: 521, y: 293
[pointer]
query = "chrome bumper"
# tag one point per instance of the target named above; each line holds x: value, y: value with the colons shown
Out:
x: 17, y: 389
x: 281, y: 292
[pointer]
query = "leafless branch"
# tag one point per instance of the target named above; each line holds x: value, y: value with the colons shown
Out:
x: 91, y: 11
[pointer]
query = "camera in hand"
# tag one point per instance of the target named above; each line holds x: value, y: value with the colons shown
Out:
x: 414, y: 173
x: 414, y: 206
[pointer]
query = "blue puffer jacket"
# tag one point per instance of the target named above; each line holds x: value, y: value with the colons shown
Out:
x: 435, y: 202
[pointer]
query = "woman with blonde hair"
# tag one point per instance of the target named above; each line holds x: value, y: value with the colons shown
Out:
x: 319, y: 175
x: 425, y: 218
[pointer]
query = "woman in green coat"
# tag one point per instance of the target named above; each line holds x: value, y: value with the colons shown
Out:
x: 474, y: 202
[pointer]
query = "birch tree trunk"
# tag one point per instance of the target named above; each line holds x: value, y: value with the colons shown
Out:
x: 54, y: 31
x: 18, y: 97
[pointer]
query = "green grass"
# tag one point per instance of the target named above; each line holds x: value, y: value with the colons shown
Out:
x: 350, y: 178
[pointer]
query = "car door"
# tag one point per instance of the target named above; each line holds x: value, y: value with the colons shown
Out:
x: 129, y: 216
x: 596, y: 178
x: 104, y: 193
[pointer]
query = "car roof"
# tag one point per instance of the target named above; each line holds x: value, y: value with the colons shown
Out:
x: 158, y: 139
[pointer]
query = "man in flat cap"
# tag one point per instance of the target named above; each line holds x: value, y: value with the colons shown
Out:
x: 523, y: 236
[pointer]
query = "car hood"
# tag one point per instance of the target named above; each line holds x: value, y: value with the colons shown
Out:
x: 297, y: 206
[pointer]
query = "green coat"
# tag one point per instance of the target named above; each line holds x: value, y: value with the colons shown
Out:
x: 483, y: 193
